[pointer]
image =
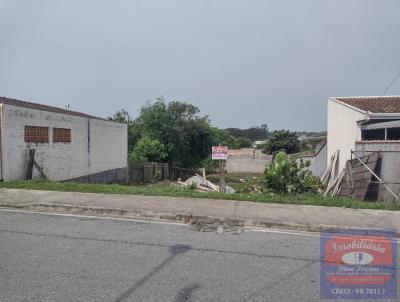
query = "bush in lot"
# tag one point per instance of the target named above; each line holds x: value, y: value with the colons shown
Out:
x: 148, y: 149
x: 285, y: 175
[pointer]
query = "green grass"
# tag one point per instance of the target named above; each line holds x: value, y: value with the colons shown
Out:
x: 166, y: 190
x: 238, y: 181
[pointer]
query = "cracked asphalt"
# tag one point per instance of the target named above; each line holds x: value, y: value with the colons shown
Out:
x: 65, y: 258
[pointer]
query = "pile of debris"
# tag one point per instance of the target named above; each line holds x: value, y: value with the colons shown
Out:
x: 203, y: 185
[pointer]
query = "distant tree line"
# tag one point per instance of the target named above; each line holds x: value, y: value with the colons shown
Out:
x: 253, y: 133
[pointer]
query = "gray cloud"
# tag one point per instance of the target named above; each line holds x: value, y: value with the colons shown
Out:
x: 242, y: 62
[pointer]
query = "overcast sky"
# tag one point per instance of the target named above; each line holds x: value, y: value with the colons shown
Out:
x: 243, y: 63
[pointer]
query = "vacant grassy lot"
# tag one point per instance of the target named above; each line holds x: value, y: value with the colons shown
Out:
x: 167, y: 190
x: 239, y: 181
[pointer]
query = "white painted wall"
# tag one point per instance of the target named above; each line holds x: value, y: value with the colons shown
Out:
x: 105, y: 150
x: 318, y: 161
x: 343, y: 131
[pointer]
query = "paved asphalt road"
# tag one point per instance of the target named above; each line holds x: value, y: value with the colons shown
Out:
x: 63, y: 258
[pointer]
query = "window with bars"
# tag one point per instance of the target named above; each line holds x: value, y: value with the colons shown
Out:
x: 61, y: 135
x: 34, y: 134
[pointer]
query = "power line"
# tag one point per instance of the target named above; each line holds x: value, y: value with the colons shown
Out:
x: 391, y: 84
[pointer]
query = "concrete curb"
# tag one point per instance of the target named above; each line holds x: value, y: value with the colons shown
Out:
x: 174, y: 217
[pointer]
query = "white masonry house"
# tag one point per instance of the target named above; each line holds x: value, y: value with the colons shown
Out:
x: 38, y: 141
x: 364, y: 147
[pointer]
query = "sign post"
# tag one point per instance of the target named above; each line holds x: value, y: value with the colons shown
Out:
x: 221, y: 154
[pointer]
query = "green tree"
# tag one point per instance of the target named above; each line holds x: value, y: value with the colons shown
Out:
x: 180, y: 128
x: 148, y: 150
x: 285, y: 175
x: 282, y: 140
x: 121, y: 116
x: 243, y: 142
x: 221, y: 137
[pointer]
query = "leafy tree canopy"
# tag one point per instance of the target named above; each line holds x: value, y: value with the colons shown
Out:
x: 222, y: 137
x: 148, y: 150
x: 282, y: 140
x: 243, y: 142
x: 121, y: 116
x: 178, y: 126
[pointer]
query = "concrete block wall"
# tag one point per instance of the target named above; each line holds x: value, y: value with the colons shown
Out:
x: 243, y: 165
x: 96, y: 145
x: 247, y: 160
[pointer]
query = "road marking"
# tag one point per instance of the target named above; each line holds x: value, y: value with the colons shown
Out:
x: 295, y: 233
x: 299, y: 233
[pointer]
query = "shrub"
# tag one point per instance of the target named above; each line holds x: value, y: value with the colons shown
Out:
x: 148, y: 149
x: 285, y: 175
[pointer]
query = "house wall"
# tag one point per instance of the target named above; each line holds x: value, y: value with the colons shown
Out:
x: 96, y: 145
x: 389, y: 167
x: 343, y: 132
x: 318, y: 161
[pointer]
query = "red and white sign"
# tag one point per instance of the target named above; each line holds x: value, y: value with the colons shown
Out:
x: 219, y: 153
x: 358, y: 264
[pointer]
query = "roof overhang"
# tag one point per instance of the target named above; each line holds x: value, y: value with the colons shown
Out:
x: 383, y: 125
x: 367, y: 114
x: 334, y: 99
x: 382, y: 116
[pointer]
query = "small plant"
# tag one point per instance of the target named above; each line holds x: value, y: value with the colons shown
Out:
x: 246, y: 187
x: 285, y: 175
x: 192, y: 186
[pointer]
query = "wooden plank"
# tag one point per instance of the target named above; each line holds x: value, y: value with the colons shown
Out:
x: 361, y: 169
x: 378, y: 178
x: 358, y: 177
